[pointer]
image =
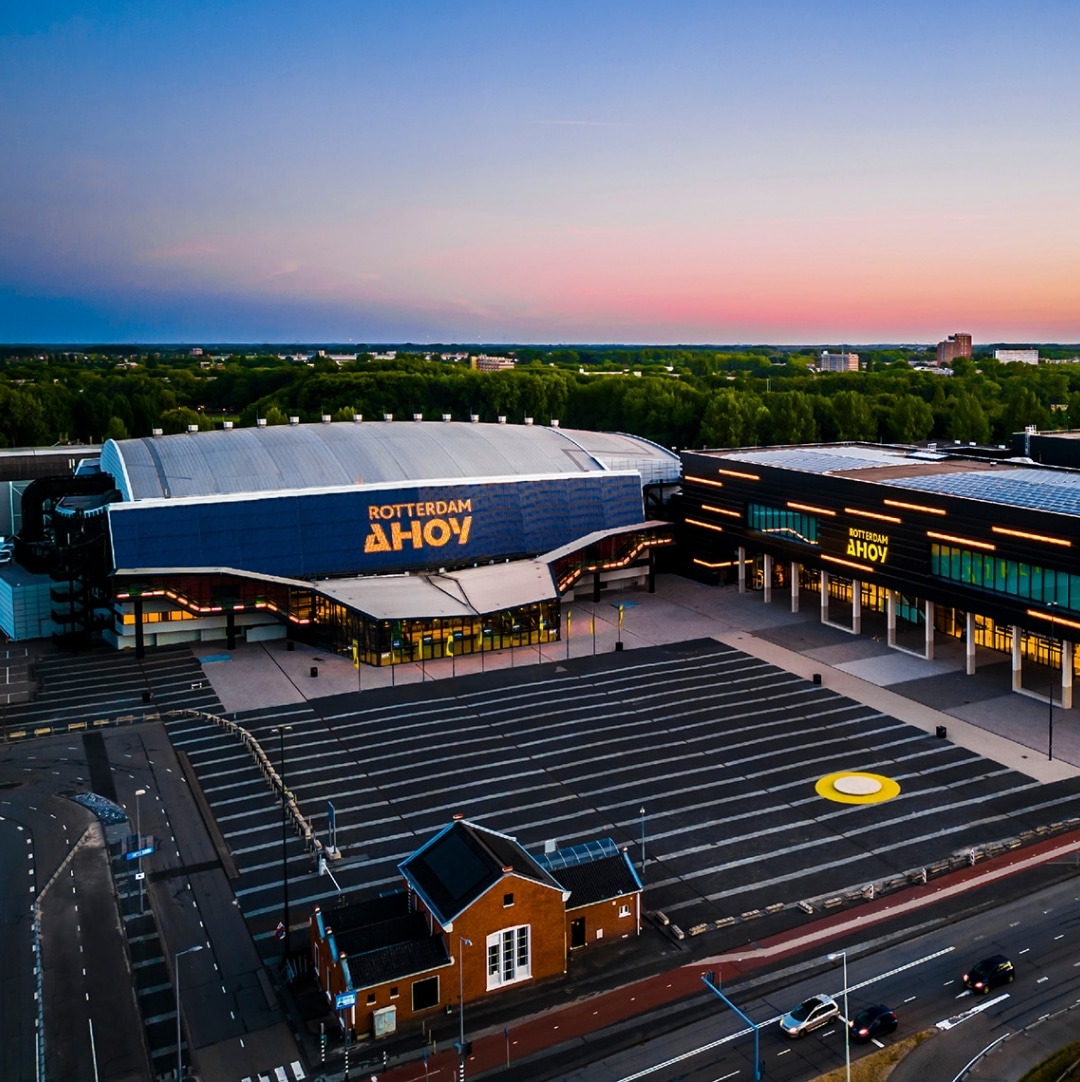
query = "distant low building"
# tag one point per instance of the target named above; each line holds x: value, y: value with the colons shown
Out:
x: 956, y: 345
x: 838, y: 362
x: 1017, y: 356
x: 484, y: 363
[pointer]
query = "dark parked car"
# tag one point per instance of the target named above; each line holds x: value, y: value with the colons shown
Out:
x: 808, y: 1015
x: 989, y: 973
x: 872, y: 1022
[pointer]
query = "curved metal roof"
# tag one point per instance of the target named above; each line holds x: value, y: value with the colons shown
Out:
x: 246, y: 460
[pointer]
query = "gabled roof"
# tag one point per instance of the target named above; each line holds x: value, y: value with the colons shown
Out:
x: 462, y: 862
x: 379, y: 941
x: 599, y: 880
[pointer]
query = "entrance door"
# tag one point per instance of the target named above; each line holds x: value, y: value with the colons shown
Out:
x: 577, y: 933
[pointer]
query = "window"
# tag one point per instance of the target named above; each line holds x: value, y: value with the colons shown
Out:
x: 508, y: 900
x: 509, y: 958
x: 624, y: 911
x: 425, y: 993
x: 371, y: 998
x: 393, y: 991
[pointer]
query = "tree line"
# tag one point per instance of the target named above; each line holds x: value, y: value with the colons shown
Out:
x: 680, y: 398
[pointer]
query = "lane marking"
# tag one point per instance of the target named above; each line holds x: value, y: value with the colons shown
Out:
x: 986, y: 1004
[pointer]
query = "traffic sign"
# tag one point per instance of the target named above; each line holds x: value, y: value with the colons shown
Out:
x: 136, y: 853
x: 343, y: 1000
x: 279, y: 931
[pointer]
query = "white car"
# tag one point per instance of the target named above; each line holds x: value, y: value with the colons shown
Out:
x: 810, y: 1014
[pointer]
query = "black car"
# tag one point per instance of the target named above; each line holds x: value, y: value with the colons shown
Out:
x: 872, y: 1022
x: 989, y: 973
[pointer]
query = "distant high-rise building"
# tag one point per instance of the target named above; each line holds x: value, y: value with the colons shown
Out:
x: 1017, y: 356
x: 956, y: 345
x: 838, y: 362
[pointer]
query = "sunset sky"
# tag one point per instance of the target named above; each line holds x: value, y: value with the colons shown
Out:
x: 403, y: 170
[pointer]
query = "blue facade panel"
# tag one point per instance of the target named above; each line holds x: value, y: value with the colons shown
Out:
x: 364, y: 531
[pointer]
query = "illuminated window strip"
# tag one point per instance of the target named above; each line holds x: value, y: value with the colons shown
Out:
x: 914, y: 507
x: 985, y: 545
x: 1032, y: 536
x: 790, y: 531
x: 847, y: 563
x: 810, y: 508
x: 705, y: 563
x: 703, y: 481
x: 720, y: 511
x: 707, y: 525
x: 1054, y: 620
x: 873, y: 514
x: 736, y: 473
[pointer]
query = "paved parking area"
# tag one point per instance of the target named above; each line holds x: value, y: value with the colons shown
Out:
x: 721, y: 749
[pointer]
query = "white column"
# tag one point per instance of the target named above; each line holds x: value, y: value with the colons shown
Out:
x: 890, y: 618
x: 1017, y: 676
x: 969, y: 642
x: 928, y: 618
x: 768, y: 579
x: 824, y: 597
x: 856, y: 606
x: 794, y: 586
x: 1066, y: 674
x: 742, y: 569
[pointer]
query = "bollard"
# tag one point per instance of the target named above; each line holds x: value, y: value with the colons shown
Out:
x: 314, y: 670
x: 940, y: 732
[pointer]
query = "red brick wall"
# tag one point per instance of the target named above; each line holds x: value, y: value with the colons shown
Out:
x: 604, y: 916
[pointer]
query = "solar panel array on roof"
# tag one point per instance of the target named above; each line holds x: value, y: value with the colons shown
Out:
x: 578, y: 854
x: 1038, y: 490
x: 821, y: 459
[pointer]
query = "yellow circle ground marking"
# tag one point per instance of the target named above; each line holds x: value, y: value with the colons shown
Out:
x: 857, y: 787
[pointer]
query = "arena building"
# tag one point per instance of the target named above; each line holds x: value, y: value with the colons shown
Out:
x: 396, y: 541
x: 940, y: 542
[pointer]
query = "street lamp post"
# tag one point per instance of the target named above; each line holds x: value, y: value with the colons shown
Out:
x: 138, y: 845
x: 281, y: 730
x: 842, y: 956
x: 642, y: 814
x: 462, y: 942
x: 1050, y: 659
x: 176, y: 972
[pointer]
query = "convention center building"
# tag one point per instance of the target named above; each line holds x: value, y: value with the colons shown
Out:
x: 976, y: 544
x: 395, y: 541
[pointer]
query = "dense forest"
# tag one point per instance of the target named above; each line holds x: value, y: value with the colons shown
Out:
x: 678, y: 397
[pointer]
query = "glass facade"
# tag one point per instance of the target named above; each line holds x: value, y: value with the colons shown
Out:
x: 985, y: 571
x: 782, y: 521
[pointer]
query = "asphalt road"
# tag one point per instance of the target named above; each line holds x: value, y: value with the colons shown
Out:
x: 18, y: 1016
x: 920, y: 978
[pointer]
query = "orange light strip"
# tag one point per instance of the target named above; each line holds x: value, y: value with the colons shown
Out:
x: 703, y: 481
x: 737, y: 473
x: 962, y: 541
x: 705, y: 563
x: 720, y: 511
x: 872, y: 514
x: 847, y: 563
x: 811, y: 508
x: 706, y: 525
x: 1031, y: 536
x: 1054, y: 620
x: 914, y: 507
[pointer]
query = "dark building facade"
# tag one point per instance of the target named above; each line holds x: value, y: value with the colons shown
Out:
x: 940, y: 544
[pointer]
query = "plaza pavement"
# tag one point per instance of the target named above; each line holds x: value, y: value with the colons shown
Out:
x: 980, y: 712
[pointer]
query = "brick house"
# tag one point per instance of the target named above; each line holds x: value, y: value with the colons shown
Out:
x: 476, y: 895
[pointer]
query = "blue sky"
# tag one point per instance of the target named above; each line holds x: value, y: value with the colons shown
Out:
x: 710, y: 172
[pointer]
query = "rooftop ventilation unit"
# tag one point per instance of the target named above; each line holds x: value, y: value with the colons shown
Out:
x: 554, y: 422
x: 226, y: 425
x: 387, y: 416
x: 260, y: 422
x: 192, y: 428
x: 294, y: 421
x: 502, y: 418
x: 447, y: 417
x: 155, y: 432
x: 528, y: 420
x: 326, y: 418
x: 474, y: 418
x: 357, y: 418
x: 417, y: 417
